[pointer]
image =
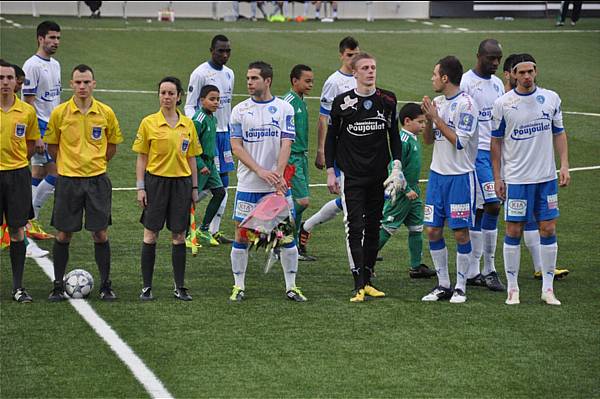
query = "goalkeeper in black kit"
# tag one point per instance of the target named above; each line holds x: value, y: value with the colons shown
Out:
x: 361, y: 122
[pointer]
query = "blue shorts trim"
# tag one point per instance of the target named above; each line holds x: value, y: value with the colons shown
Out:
x: 224, y: 160
x: 245, y: 203
x: 531, y: 202
x: 452, y: 198
x: 485, y: 188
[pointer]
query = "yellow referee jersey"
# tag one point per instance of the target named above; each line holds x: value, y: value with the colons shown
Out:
x: 17, y: 126
x: 168, y: 148
x: 82, y: 138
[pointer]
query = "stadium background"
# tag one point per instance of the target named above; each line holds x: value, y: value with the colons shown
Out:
x: 267, y: 347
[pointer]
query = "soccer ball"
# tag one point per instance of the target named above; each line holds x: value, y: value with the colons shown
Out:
x: 79, y: 283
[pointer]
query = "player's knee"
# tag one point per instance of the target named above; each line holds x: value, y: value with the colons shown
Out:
x: 150, y: 236
x: 303, y: 202
x: 492, y: 208
x: 100, y: 236
x: 178, y: 238
x: 16, y: 235
x: 514, y: 229
x: 547, y: 229
x: 435, y: 233
x: 461, y: 235
x: 63, y: 237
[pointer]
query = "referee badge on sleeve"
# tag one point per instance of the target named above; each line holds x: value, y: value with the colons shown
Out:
x: 96, y: 133
x: 20, y: 130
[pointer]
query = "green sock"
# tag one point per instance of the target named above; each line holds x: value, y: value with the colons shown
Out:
x: 415, y: 248
x: 298, y: 219
x: 384, y: 236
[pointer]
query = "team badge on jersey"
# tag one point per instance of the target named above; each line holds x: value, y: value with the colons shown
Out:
x: 465, y: 121
x: 540, y: 99
x: 368, y: 104
x: 185, y: 144
x: 453, y: 107
x: 190, y: 89
x: 289, y: 123
x: 272, y: 109
x: 20, y: 130
x: 96, y: 133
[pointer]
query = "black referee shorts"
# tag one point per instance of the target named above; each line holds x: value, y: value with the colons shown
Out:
x: 15, y: 197
x: 170, y: 199
x: 73, y: 195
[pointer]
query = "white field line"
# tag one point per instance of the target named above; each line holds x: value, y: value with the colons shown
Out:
x: 583, y: 168
x: 141, y: 372
x: 230, y: 28
x: 307, y: 97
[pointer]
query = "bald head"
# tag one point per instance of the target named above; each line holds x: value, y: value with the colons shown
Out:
x: 489, y: 55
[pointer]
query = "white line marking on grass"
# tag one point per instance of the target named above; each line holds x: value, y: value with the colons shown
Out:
x: 306, y: 97
x: 582, y: 168
x: 427, y: 23
x: 321, y: 31
x: 141, y: 372
x: 445, y: 26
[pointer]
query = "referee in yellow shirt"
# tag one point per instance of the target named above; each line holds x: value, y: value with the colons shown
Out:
x: 167, y: 181
x: 18, y: 133
x: 82, y: 136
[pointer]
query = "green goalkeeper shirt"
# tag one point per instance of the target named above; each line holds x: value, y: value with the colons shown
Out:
x: 411, y: 161
x: 300, y: 121
x: 206, y: 127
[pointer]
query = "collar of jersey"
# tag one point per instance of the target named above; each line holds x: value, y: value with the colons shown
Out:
x: 213, y: 66
x: 479, y: 76
x: 44, y: 59
x: 262, y: 102
x: 345, y: 74
x: 526, y: 94
x: 163, y: 121
x: 456, y: 95
x: 93, y: 108
x: 17, y: 105
x: 414, y: 136
x: 365, y: 95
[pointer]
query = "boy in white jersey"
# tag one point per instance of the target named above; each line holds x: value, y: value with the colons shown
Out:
x: 484, y: 87
x: 41, y: 89
x: 215, y: 72
x: 527, y: 127
x: 262, y: 133
x: 337, y: 83
x: 452, y: 129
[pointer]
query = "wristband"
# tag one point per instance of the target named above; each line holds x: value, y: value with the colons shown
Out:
x: 140, y: 185
x: 194, y: 187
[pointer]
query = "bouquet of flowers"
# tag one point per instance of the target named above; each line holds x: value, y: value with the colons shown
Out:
x: 270, y: 224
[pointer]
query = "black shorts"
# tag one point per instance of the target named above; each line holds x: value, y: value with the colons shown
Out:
x: 74, y: 194
x: 170, y: 199
x: 15, y: 197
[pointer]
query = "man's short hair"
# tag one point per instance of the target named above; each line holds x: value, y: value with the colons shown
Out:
x: 360, y: 56
x: 266, y: 70
x: 19, y: 72
x: 482, y: 46
x: 297, y: 70
x: 451, y: 67
x: 509, y: 62
x: 47, y: 26
x: 409, y: 110
x: 207, y: 89
x: 218, y: 38
x: 6, y: 64
x: 82, y: 68
x: 523, y: 58
x: 348, y: 43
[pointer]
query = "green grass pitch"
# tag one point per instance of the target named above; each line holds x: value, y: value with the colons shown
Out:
x: 327, y: 347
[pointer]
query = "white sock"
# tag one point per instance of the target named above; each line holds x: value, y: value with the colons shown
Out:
x: 440, y: 261
x: 512, y: 259
x: 489, y: 250
x: 305, y: 9
x: 548, y: 255
x: 462, y: 267
x: 44, y: 190
x: 215, y: 225
x: 289, y: 263
x: 532, y: 240
x: 476, y: 251
x: 239, y: 263
x: 325, y: 214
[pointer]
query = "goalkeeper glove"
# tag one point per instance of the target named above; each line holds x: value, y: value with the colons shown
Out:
x: 395, y: 182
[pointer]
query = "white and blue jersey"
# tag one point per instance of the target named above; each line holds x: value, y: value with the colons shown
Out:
x: 42, y: 80
x: 484, y: 92
x: 223, y: 78
x: 526, y: 123
x: 261, y: 126
x: 336, y: 84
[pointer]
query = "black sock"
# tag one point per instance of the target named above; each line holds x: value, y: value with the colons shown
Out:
x: 17, y: 261
x: 358, y: 281
x: 102, y: 255
x: 178, y: 259
x: 60, y: 252
x: 148, y: 258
